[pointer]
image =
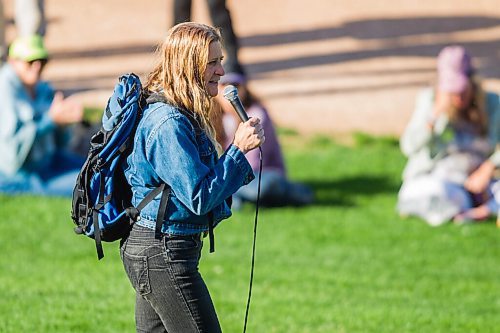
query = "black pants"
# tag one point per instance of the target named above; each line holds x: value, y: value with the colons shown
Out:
x: 171, y: 295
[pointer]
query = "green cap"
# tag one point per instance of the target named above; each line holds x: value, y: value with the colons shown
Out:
x: 28, y: 48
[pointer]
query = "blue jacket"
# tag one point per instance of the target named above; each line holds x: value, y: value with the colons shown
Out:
x: 169, y: 149
x: 27, y: 134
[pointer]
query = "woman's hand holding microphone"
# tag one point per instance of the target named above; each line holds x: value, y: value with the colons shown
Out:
x: 249, y: 135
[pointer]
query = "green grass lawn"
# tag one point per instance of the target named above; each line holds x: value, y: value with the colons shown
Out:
x: 346, y: 264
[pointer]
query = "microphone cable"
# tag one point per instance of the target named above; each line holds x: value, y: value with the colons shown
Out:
x: 254, y: 241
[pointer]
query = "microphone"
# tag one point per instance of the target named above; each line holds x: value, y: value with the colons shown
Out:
x: 231, y: 94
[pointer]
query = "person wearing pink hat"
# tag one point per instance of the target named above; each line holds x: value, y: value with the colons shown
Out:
x: 450, y: 143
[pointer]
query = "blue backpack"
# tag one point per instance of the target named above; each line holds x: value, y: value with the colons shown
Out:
x: 101, y: 206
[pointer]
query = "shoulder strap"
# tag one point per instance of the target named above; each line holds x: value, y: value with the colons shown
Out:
x: 161, y: 211
x: 133, y: 212
x: 155, y: 98
x: 160, y: 98
x: 211, y: 236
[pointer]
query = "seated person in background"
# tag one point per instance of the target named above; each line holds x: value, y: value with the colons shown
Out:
x: 32, y: 159
x: 276, y: 188
x: 450, y: 143
x: 2, y: 33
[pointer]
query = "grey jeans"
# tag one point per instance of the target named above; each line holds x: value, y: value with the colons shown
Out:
x: 171, y: 295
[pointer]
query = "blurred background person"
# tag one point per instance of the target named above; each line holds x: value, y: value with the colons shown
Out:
x: 276, y: 188
x: 30, y: 17
x: 31, y: 135
x: 221, y: 18
x: 451, y: 143
x: 2, y: 34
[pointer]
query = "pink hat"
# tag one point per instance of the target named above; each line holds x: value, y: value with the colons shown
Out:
x: 233, y: 78
x: 454, y: 67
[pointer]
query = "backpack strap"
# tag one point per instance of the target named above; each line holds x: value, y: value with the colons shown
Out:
x: 95, y: 220
x: 161, y: 211
x: 155, y: 98
x: 211, y: 236
x: 97, y: 235
x: 151, y: 195
x: 158, y: 97
x: 133, y: 212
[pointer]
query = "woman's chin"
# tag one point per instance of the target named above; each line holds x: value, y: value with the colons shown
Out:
x: 212, y: 89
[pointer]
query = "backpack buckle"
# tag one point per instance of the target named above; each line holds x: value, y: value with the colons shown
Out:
x: 133, y: 213
x: 82, y: 210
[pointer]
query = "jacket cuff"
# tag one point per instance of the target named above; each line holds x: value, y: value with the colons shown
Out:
x: 241, y: 162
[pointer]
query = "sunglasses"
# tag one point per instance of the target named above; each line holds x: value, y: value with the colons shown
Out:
x: 42, y: 62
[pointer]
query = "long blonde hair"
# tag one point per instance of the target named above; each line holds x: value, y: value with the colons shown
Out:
x: 183, y: 59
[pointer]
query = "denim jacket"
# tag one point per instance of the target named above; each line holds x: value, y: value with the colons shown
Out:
x: 169, y: 149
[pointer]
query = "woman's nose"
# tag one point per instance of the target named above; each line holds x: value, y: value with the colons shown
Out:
x: 220, y: 70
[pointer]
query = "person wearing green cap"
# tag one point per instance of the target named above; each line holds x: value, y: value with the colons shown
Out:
x: 2, y: 33
x: 33, y: 115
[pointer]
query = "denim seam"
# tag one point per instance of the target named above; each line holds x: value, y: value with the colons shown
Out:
x: 181, y: 294
x: 233, y: 155
x: 155, y: 129
x: 143, y: 273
